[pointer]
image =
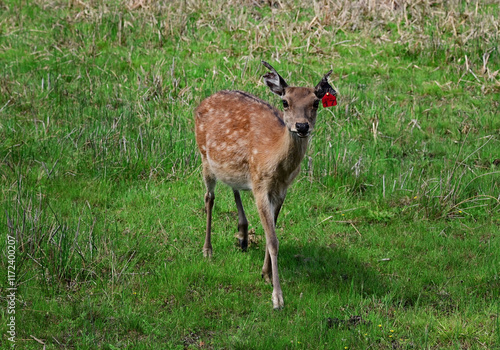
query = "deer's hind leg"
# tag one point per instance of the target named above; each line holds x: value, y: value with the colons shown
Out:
x: 242, y: 222
x: 210, y: 182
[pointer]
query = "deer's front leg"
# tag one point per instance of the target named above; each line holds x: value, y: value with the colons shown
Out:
x: 276, y: 203
x: 270, y: 268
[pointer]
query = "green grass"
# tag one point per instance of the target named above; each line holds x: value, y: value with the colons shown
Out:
x: 389, y: 237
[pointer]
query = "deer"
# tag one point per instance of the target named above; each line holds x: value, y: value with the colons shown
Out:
x: 250, y: 145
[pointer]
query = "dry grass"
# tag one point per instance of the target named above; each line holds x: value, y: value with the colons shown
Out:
x: 449, y: 28
x: 464, y: 20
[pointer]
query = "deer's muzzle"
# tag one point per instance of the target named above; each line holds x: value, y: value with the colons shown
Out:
x: 302, y: 129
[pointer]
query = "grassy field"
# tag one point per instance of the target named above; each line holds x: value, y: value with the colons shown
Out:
x: 389, y: 238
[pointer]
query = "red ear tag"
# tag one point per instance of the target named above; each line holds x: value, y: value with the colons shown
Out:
x: 329, y: 100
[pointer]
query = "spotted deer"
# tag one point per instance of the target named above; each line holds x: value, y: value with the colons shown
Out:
x: 250, y: 145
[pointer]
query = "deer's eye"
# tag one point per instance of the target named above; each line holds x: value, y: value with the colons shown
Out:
x: 316, y: 104
x: 285, y: 104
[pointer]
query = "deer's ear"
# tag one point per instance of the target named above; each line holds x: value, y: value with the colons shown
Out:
x: 323, y: 87
x: 275, y: 82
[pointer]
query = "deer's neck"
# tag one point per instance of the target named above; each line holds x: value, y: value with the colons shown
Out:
x: 292, y: 151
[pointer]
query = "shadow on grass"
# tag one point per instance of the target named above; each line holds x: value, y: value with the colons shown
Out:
x: 328, y: 267
x: 331, y: 268
x: 334, y: 272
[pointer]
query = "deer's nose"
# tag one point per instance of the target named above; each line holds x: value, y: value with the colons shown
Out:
x: 302, y: 128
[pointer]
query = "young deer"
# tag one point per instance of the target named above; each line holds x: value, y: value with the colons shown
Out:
x: 250, y: 145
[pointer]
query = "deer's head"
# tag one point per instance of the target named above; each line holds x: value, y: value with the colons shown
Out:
x: 300, y: 104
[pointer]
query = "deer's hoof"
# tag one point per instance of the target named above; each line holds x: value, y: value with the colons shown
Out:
x: 243, y: 244
x: 278, y: 303
x: 242, y: 241
x: 207, y: 252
